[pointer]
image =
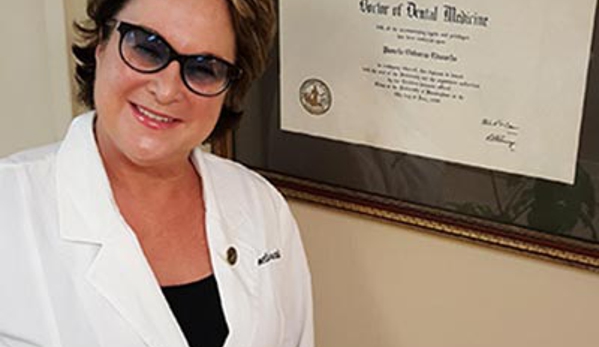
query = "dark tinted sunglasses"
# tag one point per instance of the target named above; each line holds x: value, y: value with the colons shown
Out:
x: 147, y: 52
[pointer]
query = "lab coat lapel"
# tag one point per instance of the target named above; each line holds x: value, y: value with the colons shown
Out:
x: 88, y: 215
x: 121, y: 274
x: 232, y: 253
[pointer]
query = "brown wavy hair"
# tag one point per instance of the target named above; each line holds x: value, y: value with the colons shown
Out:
x: 254, y: 23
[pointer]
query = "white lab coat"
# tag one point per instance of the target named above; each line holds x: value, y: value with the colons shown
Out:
x: 72, y: 273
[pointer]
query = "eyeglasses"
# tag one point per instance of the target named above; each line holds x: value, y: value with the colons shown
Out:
x: 147, y: 52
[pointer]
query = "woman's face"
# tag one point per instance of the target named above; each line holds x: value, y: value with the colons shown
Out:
x: 126, y: 100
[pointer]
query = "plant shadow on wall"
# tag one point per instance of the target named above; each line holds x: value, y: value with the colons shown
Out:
x: 559, y: 209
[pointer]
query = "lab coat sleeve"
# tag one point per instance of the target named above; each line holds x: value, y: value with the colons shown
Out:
x: 298, y: 288
x: 24, y: 309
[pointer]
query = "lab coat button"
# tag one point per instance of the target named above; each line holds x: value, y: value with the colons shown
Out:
x: 232, y: 255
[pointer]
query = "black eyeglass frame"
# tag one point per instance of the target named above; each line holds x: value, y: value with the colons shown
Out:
x: 234, y: 73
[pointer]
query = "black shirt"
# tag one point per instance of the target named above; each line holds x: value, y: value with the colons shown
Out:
x: 199, y: 312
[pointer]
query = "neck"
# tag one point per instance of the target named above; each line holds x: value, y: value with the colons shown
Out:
x: 141, y: 180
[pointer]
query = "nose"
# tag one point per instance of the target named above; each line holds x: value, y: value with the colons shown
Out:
x: 166, y: 85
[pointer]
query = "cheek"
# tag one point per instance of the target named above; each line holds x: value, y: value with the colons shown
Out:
x: 206, y: 114
x: 206, y: 107
x: 113, y: 84
x: 105, y: 79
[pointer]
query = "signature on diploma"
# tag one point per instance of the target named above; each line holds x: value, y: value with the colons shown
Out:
x: 502, y: 132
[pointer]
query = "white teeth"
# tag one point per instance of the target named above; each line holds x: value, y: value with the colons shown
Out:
x: 155, y: 116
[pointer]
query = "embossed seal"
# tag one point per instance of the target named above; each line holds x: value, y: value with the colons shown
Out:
x: 315, y: 96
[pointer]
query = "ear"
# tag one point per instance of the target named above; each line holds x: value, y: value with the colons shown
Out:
x: 100, y: 50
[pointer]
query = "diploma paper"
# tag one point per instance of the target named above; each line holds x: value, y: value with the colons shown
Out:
x: 494, y: 84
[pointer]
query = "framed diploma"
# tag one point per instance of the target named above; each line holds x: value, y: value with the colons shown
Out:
x: 475, y: 119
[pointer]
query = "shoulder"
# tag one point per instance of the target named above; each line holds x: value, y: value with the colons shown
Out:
x: 241, y: 196
x: 32, y: 157
x: 28, y: 165
x: 26, y: 185
x: 237, y: 179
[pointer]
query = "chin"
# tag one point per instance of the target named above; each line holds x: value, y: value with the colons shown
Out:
x: 149, y: 160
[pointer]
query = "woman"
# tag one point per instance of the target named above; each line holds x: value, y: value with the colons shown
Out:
x: 125, y: 234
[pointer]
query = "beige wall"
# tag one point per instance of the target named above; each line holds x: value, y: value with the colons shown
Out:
x: 383, y: 285
x: 34, y: 90
x: 378, y: 284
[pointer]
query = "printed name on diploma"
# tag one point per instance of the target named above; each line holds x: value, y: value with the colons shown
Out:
x: 411, y: 10
x: 419, y: 54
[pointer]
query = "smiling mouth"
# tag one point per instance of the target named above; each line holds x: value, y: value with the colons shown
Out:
x: 154, y: 116
x: 153, y: 120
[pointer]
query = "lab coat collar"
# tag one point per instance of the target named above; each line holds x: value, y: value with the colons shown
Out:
x: 83, y: 188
